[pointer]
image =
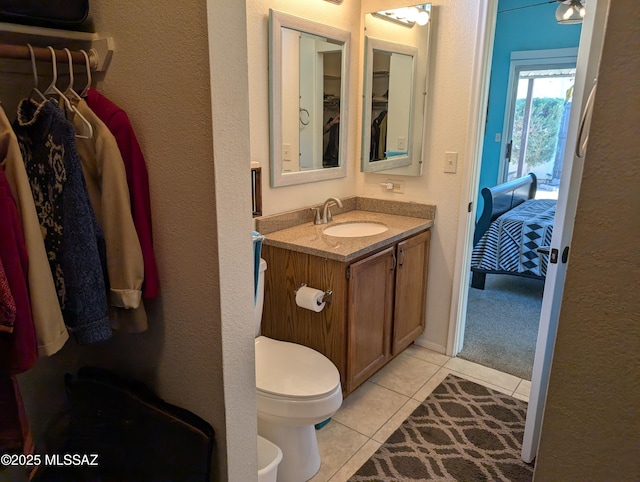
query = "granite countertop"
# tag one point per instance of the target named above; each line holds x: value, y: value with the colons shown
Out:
x: 309, y: 238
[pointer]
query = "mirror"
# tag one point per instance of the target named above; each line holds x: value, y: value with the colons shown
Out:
x: 395, y: 90
x: 309, y: 78
x: 389, y: 98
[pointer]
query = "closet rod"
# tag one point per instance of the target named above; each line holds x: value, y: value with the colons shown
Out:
x: 21, y: 52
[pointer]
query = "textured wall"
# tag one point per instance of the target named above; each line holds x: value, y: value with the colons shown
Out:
x: 230, y: 107
x: 590, y: 428
x: 160, y: 74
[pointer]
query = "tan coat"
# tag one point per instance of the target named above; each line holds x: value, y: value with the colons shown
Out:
x: 51, y: 331
x: 106, y: 179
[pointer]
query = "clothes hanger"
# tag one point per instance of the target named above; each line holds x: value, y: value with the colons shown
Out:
x: 53, y: 90
x: 69, y: 92
x: 88, y: 65
x: 35, y: 89
x: 75, y: 98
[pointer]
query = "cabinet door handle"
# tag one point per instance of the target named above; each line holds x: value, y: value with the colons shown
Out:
x: 393, y: 256
x: 401, y: 258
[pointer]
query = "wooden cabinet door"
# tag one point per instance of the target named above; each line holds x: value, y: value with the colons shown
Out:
x: 411, y: 290
x: 282, y: 319
x: 370, y: 311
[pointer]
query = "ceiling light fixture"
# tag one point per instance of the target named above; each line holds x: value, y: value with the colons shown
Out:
x: 570, y: 11
x: 407, y: 16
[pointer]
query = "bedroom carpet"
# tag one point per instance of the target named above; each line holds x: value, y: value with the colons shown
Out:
x: 462, y: 431
x: 502, y: 324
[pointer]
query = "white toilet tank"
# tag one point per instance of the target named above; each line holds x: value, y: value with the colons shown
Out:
x: 259, y: 297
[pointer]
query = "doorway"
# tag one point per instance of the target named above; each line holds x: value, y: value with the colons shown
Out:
x: 532, y: 75
x: 591, y: 44
x: 502, y: 319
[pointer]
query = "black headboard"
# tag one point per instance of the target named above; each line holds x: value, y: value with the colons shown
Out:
x: 503, y: 197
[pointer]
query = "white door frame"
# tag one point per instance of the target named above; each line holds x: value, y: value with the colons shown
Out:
x: 487, y: 17
x: 591, y: 40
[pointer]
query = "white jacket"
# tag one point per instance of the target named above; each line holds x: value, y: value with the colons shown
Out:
x: 51, y: 331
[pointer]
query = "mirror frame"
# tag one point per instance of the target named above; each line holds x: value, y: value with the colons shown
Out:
x: 277, y: 20
x: 371, y: 44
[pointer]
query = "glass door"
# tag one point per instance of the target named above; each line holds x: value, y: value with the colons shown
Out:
x: 539, y: 114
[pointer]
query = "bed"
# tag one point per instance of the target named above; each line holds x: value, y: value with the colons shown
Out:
x: 513, y: 234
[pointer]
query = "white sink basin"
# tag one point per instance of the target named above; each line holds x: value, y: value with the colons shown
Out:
x: 355, y: 230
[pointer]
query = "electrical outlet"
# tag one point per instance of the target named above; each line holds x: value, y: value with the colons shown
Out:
x: 402, y: 143
x: 398, y: 186
x: 450, y: 162
x: 286, y: 152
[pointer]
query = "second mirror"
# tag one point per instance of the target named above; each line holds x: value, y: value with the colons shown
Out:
x: 394, y: 91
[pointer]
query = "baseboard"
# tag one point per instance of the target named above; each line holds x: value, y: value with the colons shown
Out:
x: 429, y: 345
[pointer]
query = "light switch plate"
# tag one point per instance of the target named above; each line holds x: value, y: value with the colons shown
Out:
x: 450, y: 162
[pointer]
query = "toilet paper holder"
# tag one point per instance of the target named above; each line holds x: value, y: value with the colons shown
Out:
x: 328, y: 294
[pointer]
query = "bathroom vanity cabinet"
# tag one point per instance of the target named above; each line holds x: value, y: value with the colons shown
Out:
x: 386, y: 307
x: 377, y: 307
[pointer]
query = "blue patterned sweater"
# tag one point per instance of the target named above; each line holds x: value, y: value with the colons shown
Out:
x: 73, y: 240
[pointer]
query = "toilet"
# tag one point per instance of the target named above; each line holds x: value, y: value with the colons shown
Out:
x: 296, y: 388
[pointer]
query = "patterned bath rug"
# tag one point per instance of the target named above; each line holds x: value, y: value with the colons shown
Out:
x: 461, y: 432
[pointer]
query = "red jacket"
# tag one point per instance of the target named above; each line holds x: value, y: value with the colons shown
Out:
x: 137, y: 179
x: 18, y: 350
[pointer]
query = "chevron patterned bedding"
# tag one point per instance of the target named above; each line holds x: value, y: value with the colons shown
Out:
x: 510, y: 244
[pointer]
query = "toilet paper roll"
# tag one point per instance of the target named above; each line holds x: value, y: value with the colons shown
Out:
x: 310, y: 299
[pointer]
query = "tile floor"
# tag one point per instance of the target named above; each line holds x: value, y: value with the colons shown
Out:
x: 372, y: 412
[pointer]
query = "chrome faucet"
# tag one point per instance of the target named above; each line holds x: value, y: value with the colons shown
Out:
x: 326, y: 212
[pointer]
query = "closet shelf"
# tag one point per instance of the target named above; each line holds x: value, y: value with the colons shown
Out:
x: 15, y: 37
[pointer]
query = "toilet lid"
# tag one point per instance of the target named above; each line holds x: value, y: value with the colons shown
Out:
x: 292, y: 370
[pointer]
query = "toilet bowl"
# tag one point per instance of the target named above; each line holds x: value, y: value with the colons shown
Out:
x: 296, y: 388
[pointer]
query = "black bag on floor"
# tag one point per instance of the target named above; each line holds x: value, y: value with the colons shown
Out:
x: 64, y: 14
x: 136, y: 435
